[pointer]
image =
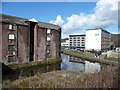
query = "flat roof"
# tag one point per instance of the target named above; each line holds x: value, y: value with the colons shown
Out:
x: 76, y: 35
x: 22, y: 21
x: 100, y: 29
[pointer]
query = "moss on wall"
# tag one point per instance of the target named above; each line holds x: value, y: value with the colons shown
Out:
x: 35, y: 63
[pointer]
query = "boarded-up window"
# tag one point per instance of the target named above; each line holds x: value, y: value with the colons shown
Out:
x: 11, y: 36
x: 11, y: 58
x: 10, y: 26
x: 48, y: 31
x: 13, y: 27
x: 48, y: 38
x: 48, y: 43
x: 11, y: 48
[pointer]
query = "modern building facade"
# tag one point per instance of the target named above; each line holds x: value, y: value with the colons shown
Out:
x: 77, y: 41
x: 24, y: 40
x: 97, y: 39
x: 65, y: 44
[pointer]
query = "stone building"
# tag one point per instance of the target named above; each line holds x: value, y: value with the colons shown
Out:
x: 24, y: 40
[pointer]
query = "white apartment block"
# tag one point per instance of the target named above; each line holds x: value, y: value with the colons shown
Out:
x: 65, y: 44
x: 97, y: 39
x: 77, y: 41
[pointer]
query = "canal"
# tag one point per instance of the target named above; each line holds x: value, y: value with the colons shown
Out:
x: 72, y: 63
x: 68, y: 63
x: 64, y: 74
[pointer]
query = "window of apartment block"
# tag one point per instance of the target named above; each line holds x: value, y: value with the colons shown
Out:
x: 12, y: 27
x: 83, y: 44
x: 11, y: 48
x: 11, y: 58
x: 96, y: 34
x: 78, y: 37
x: 74, y: 38
x: 78, y: 44
x: 83, y: 38
x: 11, y: 36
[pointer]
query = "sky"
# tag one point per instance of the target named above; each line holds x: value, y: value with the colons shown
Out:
x: 73, y: 17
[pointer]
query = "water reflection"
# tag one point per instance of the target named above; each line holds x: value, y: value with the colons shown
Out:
x: 68, y: 63
x: 72, y: 63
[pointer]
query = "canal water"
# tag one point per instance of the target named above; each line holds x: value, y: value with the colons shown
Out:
x: 72, y: 63
x: 68, y: 63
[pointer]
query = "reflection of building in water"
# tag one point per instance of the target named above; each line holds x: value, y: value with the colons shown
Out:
x: 85, y: 66
x: 77, y: 63
x: 73, y: 59
x: 92, y: 67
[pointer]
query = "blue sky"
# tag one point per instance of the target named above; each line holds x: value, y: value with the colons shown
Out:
x: 46, y: 11
x: 73, y: 17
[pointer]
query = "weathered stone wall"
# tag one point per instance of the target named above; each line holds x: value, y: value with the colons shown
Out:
x: 41, y: 44
x: 22, y: 42
x: 4, y: 42
x: 23, y: 45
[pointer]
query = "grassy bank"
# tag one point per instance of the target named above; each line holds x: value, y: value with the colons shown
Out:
x: 106, y: 78
x: 89, y: 57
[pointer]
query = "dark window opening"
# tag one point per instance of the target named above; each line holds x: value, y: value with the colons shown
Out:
x: 11, y: 58
x: 11, y: 48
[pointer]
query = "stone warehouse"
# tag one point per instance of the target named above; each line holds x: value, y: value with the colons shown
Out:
x: 24, y: 40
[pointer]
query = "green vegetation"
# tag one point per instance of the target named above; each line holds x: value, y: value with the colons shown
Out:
x: 35, y: 63
x: 89, y: 57
x: 112, y: 59
x: 106, y: 78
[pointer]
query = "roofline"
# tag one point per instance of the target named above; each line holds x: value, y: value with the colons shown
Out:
x: 100, y: 29
x: 76, y: 35
x: 27, y: 20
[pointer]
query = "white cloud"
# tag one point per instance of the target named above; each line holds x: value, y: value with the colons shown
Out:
x: 116, y: 32
x: 58, y: 21
x: 105, y: 14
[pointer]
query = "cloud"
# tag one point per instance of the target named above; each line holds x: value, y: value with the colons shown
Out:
x: 105, y: 14
x: 58, y: 21
x: 116, y: 32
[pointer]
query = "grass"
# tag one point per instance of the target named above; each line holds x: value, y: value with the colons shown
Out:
x: 89, y: 57
x: 112, y: 59
x: 106, y: 78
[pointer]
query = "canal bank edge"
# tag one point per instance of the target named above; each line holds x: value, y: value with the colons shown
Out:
x: 92, y: 59
x: 35, y: 63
